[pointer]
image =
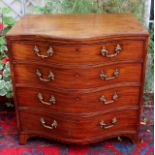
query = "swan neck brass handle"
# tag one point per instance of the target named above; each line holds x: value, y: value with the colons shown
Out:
x: 53, y: 125
x: 105, y: 52
x: 104, y: 76
x: 49, y: 52
x: 49, y: 78
x: 105, y: 126
x: 52, y: 99
x: 103, y: 99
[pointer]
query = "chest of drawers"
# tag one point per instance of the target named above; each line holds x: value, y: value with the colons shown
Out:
x: 78, y: 78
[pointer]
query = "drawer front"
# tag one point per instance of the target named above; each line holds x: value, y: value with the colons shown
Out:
x: 77, y: 78
x: 78, y: 103
x: 73, y: 54
x: 75, y: 127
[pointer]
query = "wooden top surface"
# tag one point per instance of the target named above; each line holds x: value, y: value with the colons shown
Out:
x: 77, y: 25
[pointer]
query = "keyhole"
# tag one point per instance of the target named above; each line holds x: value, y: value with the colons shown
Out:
x: 77, y: 98
x: 77, y: 50
x: 76, y: 74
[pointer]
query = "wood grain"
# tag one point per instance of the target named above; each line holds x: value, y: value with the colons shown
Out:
x: 78, y: 26
x: 77, y: 129
x: 83, y: 54
x: 78, y: 103
x: 77, y: 78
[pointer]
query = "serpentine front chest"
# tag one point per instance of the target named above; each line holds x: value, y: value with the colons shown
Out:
x: 78, y: 78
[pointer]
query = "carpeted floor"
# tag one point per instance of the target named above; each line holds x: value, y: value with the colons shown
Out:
x: 9, y: 141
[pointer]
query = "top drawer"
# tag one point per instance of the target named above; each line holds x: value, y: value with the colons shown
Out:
x: 73, y: 54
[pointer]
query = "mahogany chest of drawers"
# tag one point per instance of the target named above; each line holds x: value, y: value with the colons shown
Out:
x: 78, y: 78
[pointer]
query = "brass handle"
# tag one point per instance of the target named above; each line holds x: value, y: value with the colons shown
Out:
x: 52, y: 99
x: 50, y: 52
x: 114, y: 98
x: 104, y: 76
x: 49, y: 78
x: 51, y: 126
x: 105, y: 126
x: 105, y: 52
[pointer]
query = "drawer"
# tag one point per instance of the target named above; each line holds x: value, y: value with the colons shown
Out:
x: 73, y: 54
x: 44, y: 76
x: 105, y: 100
x: 75, y: 128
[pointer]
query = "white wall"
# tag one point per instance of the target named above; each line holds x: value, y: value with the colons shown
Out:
x: 20, y: 7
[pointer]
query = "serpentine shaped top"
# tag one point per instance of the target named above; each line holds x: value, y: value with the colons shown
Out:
x: 78, y: 26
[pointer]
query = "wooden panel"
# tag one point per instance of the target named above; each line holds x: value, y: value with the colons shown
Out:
x: 80, y: 128
x: 78, y: 103
x: 83, y: 54
x: 78, y: 26
x: 77, y: 78
x: 73, y: 128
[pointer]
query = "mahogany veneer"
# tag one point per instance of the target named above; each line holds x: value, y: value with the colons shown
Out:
x: 78, y: 78
x: 80, y: 53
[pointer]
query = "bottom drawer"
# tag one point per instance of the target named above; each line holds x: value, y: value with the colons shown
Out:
x: 79, y: 128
